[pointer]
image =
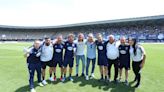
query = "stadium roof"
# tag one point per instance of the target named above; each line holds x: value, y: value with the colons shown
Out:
x: 90, y: 23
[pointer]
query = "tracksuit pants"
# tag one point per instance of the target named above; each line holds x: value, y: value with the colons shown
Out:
x: 31, y: 69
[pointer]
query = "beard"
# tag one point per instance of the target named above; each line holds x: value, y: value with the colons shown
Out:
x: 47, y: 44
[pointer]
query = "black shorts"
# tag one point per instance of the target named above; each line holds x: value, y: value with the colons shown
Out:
x: 60, y: 63
x: 69, y: 62
x: 48, y: 63
x: 125, y: 65
x: 102, y: 61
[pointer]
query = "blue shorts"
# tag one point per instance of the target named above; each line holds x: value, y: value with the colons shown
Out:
x: 58, y: 61
x: 125, y: 65
x: 102, y: 61
x: 69, y: 62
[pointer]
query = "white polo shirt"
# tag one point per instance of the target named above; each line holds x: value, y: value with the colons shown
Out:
x: 112, y: 51
x: 80, y: 47
x: 140, y: 52
x: 46, y: 53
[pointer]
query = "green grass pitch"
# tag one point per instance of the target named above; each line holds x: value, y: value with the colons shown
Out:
x: 14, y: 75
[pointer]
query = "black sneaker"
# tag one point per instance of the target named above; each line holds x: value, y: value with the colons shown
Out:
x: 106, y: 81
x: 82, y: 75
x: 101, y: 79
x: 126, y: 83
x: 137, y: 85
x: 116, y: 81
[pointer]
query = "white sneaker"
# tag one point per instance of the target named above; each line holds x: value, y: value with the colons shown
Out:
x: 51, y: 79
x: 119, y: 80
x: 32, y: 90
x: 109, y: 80
x: 44, y: 82
x: 71, y: 79
x: 92, y: 75
x: 87, y: 77
x: 63, y: 79
x: 40, y: 84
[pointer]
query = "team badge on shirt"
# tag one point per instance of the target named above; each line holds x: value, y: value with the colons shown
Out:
x: 70, y: 48
x: 100, y: 47
x: 122, y: 51
x: 58, y: 50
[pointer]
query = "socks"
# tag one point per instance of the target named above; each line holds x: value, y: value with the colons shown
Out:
x: 69, y: 75
x: 64, y: 75
x: 102, y: 76
x: 105, y: 77
x: 50, y: 75
x: 42, y: 78
x: 54, y: 74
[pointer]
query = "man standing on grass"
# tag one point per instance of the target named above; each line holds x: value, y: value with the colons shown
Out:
x: 124, y: 58
x: 102, y: 58
x: 46, y: 59
x: 58, y: 55
x: 33, y: 62
x: 70, y: 49
x: 112, y: 55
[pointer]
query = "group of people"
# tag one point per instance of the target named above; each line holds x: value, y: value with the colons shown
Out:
x: 107, y: 53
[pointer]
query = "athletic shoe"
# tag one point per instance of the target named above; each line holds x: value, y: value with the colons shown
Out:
x: 44, y: 82
x: 101, y: 79
x: 63, y: 79
x: 92, y: 76
x: 32, y: 90
x: 119, y: 80
x: 40, y: 84
x: 109, y: 80
x: 82, y: 75
x: 70, y: 78
x: 116, y: 81
x: 87, y: 77
x: 137, y: 85
x: 106, y: 81
x: 126, y: 83
x: 55, y: 79
x: 51, y: 79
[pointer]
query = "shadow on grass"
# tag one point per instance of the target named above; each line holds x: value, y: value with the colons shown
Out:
x: 25, y: 88
x: 120, y: 87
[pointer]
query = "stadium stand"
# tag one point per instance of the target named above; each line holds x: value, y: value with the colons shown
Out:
x: 145, y: 29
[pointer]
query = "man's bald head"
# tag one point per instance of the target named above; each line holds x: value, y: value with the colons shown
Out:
x: 111, y: 38
x: 123, y: 40
x: 36, y: 44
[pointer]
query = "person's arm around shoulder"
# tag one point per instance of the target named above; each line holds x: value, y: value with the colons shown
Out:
x: 27, y: 51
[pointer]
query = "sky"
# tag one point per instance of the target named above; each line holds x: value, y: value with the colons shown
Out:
x: 62, y: 12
